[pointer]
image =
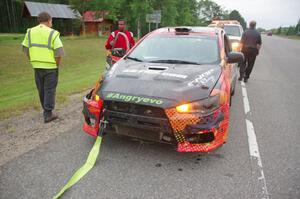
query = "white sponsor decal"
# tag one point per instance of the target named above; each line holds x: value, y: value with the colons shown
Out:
x: 112, y: 70
x: 174, y: 75
x: 155, y: 72
x: 203, y: 79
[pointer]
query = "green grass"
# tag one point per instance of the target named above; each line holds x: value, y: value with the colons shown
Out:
x: 82, y: 65
x: 295, y: 37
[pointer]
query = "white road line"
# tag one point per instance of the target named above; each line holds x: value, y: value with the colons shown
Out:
x: 253, y: 146
x: 245, y: 99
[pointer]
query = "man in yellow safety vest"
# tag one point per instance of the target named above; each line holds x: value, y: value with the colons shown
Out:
x: 44, y: 50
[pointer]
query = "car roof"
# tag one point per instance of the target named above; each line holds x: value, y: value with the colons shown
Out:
x: 225, y: 22
x: 210, y: 31
x: 218, y: 25
x: 232, y: 25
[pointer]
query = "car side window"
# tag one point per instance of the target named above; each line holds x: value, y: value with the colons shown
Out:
x: 227, y: 45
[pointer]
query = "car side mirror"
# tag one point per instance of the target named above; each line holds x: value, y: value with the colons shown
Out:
x: 118, y: 52
x: 235, y: 57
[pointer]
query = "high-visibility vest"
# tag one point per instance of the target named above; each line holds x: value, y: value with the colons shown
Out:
x: 40, y: 44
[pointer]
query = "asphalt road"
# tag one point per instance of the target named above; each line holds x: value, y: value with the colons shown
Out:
x: 131, y: 169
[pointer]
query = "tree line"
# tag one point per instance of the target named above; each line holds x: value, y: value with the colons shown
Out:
x: 288, y: 31
x: 285, y: 31
x: 173, y: 12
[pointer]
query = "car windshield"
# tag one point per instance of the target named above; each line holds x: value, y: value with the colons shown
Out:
x: 233, y: 30
x: 181, y: 49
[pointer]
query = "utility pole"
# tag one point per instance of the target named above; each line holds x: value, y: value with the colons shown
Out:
x: 155, y: 17
x: 13, y: 15
x: 8, y: 14
x: 138, y: 28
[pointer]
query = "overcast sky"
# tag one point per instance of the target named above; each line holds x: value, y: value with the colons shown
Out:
x: 267, y: 13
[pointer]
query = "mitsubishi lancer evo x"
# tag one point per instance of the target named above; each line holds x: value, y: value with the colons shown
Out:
x: 174, y: 86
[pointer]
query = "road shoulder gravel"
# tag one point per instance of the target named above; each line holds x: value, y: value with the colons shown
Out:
x: 23, y: 133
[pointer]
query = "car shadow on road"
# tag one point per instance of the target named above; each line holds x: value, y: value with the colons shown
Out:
x: 123, y: 148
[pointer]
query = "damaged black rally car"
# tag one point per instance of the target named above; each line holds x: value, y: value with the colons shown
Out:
x: 174, y: 86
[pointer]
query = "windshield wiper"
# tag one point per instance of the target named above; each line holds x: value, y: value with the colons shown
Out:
x: 134, y: 58
x: 174, y: 61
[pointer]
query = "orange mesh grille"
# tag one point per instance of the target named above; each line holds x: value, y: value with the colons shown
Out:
x: 179, y: 121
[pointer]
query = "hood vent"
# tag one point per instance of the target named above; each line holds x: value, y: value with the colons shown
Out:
x: 157, y: 68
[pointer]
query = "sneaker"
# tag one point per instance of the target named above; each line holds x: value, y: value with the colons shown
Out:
x: 50, y: 118
x: 245, y: 80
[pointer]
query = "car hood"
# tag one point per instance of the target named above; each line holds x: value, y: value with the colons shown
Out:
x: 158, y: 84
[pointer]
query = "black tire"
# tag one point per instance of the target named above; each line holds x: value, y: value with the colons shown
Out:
x: 233, y: 91
x: 233, y: 85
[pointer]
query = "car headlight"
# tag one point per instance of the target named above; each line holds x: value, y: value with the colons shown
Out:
x: 235, y: 46
x: 97, y: 98
x: 216, y: 99
x: 204, y: 107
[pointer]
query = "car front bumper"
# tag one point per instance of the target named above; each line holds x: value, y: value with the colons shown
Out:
x: 190, y: 132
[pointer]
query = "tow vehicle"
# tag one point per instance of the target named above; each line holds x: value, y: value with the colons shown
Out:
x: 233, y: 30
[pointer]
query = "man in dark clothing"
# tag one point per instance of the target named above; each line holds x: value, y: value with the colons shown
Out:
x: 251, y: 43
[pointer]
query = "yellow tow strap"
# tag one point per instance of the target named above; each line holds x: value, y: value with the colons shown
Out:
x: 84, y: 169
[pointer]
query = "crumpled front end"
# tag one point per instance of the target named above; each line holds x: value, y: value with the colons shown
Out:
x: 199, y: 134
x: 92, y: 110
x: 191, y: 130
x: 196, y: 132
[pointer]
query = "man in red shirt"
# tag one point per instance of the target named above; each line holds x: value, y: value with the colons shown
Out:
x: 120, y: 38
